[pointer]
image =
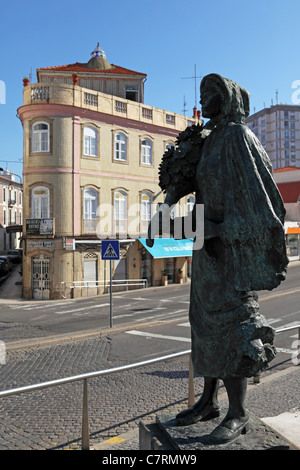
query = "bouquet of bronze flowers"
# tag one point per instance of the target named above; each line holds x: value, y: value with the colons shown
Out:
x: 177, y: 171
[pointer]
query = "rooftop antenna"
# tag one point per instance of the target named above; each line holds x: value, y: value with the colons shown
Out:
x: 30, y: 76
x: 195, y: 78
x: 276, y: 96
x: 184, y: 106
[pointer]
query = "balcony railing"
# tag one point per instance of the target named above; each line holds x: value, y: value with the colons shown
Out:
x: 90, y: 99
x: 147, y: 113
x: 121, y: 107
x: 70, y: 95
x: 40, y: 93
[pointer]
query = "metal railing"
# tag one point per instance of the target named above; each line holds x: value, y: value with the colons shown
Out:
x: 143, y: 283
x: 85, y: 442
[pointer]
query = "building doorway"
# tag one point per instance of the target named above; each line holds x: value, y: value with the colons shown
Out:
x: 170, y: 268
x: 41, y: 278
x: 146, y: 267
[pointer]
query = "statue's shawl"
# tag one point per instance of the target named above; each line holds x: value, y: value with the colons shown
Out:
x: 253, y: 212
x: 253, y: 208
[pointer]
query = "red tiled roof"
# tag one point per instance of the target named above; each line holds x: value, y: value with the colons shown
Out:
x: 290, y: 192
x: 286, y: 168
x: 79, y: 67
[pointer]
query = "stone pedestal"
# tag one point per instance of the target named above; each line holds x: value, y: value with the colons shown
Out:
x: 165, y: 435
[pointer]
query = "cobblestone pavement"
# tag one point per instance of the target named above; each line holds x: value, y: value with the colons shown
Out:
x: 51, y: 418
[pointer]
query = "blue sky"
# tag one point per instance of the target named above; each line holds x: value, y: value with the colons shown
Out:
x: 254, y: 43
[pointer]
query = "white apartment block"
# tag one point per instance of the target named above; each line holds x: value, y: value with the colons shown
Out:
x: 278, y: 129
x: 11, y: 203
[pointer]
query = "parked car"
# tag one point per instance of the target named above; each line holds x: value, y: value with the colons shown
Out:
x: 3, y: 268
x: 14, y: 256
x: 7, y: 262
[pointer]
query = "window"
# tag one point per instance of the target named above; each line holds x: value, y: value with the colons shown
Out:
x: 90, y: 142
x: 146, y: 201
x: 3, y: 194
x: 120, y: 147
x: 170, y: 146
x: 90, y: 204
x: 40, y: 137
x: 40, y: 203
x: 120, y: 211
x: 146, y: 157
x: 131, y: 93
x: 4, y: 217
x: 90, y: 270
x: 20, y: 218
x: 190, y: 202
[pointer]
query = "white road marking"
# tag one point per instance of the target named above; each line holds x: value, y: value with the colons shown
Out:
x: 81, y: 309
x: 273, y: 320
x: 284, y: 350
x: 154, y: 335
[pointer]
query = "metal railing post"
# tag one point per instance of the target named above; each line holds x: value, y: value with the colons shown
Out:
x: 85, y: 419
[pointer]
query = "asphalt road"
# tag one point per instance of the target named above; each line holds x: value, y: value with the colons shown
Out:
x: 146, y: 322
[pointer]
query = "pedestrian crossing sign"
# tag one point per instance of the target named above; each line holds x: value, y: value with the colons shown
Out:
x: 110, y: 249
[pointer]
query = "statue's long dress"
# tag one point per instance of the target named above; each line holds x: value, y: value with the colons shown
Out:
x: 230, y: 338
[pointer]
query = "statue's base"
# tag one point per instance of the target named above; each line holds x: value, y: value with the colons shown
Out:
x: 165, y: 435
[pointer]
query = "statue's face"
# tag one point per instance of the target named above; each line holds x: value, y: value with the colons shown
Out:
x: 211, y: 99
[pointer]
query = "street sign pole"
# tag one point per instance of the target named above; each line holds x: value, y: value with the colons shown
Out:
x: 110, y: 250
x: 111, y: 314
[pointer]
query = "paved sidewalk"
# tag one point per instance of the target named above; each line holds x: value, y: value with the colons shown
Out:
x: 11, y: 288
x: 273, y: 393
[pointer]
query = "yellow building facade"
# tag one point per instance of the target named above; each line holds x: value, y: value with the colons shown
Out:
x: 92, y: 150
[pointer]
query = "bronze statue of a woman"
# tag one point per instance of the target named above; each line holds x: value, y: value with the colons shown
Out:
x: 244, y: 252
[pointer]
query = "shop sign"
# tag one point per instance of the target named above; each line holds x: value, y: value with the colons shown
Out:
x: 40, y: 244
x: 40, y: 226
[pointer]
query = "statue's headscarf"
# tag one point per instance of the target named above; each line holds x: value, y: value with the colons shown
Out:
x: 235, y: 99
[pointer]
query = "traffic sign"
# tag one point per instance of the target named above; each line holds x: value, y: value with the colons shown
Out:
x: 110, y: 249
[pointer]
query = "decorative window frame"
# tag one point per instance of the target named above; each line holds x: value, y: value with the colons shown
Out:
x: 95, y: 128
x: 116, y: 229
x: 144, y: 222
x: 114, y: 135
x: 169, y: 144
x: 150, y: 139
x: 86, y: 226
x: 39, y: 186
x: 32, y: 123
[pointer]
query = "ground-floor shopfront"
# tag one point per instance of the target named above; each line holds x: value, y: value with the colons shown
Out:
x: 71, y: 268
x: 292, y: 233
